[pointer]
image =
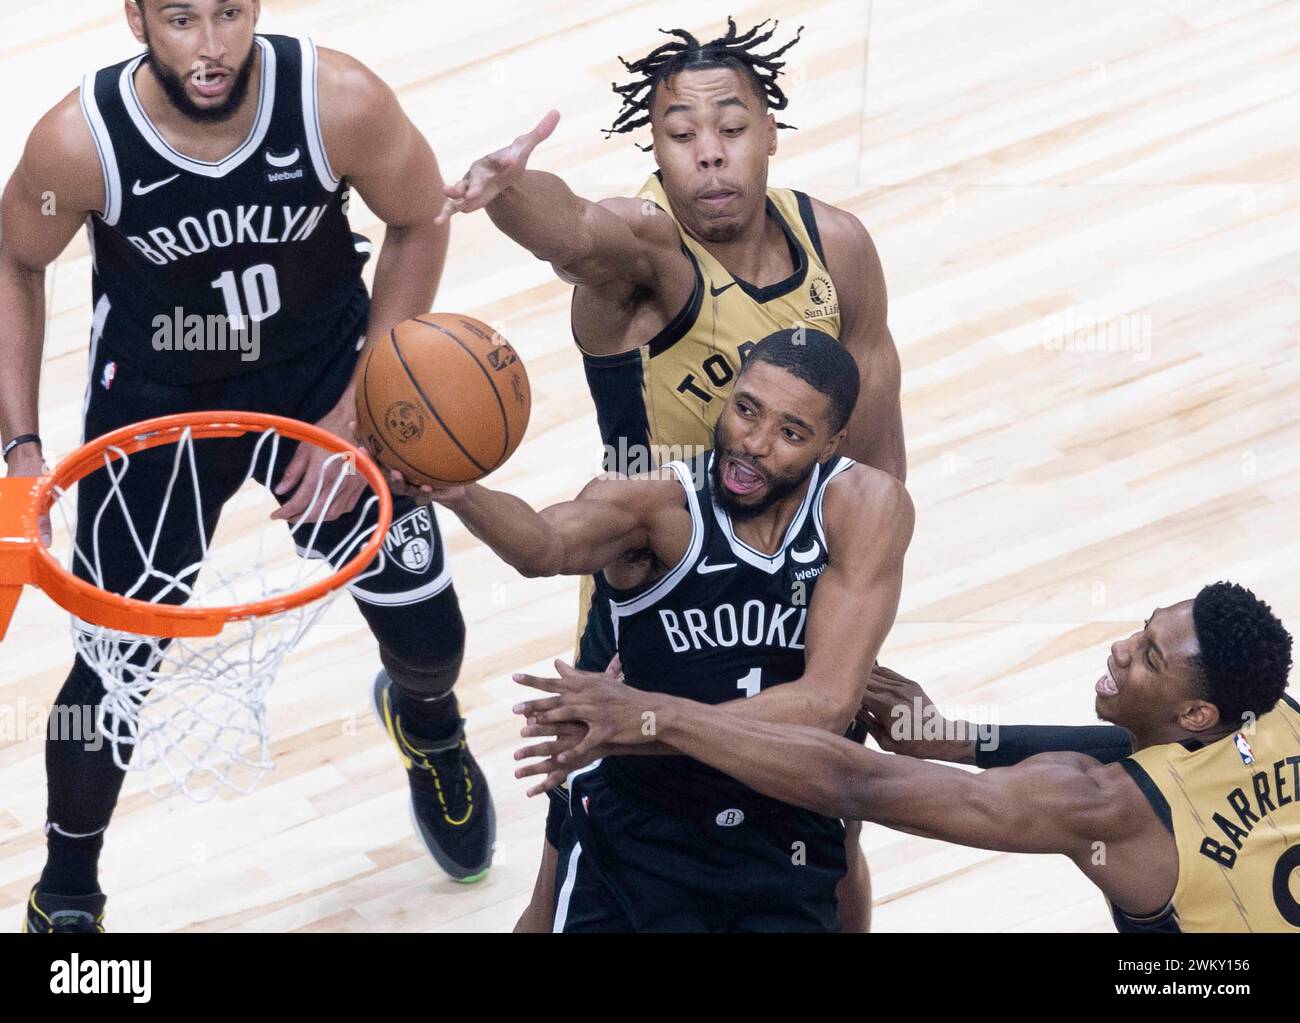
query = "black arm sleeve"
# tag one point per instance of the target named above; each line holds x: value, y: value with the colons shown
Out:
x: 1108, y: 743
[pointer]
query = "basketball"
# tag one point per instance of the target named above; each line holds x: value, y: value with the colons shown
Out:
x: 443, y: 399
x: 982, y: 373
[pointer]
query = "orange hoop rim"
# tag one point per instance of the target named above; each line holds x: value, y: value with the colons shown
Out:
x: 140, y: 617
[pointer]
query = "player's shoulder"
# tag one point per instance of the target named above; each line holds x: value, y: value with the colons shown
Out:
x: 853, y: 261
x: 339, y: 73
x: 348, y: 89
x: 60, y: 155
x: 843, y: 234
x: 859, y: 483
x: 357, y: 107
x: 1099, y: 800
x: 1118, y: 786
x: 865, y: 499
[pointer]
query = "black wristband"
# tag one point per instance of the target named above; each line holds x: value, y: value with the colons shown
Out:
x: 22, y: 438
x: 1015, y: 743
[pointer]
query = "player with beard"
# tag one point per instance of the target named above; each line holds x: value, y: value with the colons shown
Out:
x: 762, y: 575
x: 213, y: 172
x: 673, y: 287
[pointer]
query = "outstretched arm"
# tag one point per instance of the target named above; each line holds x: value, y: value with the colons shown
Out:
x: 621, y: 243
x: 1050, y: 804
x: 868, y: 519
x: 611, y: 517
x: 899, y: 713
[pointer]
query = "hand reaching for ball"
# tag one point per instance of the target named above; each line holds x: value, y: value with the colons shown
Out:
x: 441, y: 400
x: 422, y: 493
x: 400, y: 486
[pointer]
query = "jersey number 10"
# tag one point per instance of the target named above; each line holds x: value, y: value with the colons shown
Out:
x: 261, y: 293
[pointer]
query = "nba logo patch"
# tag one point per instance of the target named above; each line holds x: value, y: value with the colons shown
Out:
x: 106, y: 377
x: 1243, y: 748
x: 586, y: 804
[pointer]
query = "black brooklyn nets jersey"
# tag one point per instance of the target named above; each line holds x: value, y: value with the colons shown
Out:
x: 187, y: 252
x: 726, y: 622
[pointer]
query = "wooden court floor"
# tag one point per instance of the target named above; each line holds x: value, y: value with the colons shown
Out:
x: 1087, y: 218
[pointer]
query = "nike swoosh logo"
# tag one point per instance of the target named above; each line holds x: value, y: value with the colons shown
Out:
x: 715, y: 292
x: 283, y: 161
x: 803, y: 557
x: 139, y: 189
x: 704, y: 568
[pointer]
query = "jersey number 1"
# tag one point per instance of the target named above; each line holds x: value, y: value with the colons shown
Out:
x: 261, y: 290
x: 751, y: 683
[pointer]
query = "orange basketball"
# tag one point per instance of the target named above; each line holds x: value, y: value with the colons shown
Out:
x: 443, y: 399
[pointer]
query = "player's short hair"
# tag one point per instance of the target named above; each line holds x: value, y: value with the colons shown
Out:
x: 817, y: 359
x: 1245, y: 651
x: 735, y: 50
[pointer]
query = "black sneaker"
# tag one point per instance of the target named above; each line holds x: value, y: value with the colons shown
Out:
x: 451, y: 806
x: 64, y: 914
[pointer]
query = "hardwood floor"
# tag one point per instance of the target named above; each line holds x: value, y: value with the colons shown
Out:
x: 1086, y: 215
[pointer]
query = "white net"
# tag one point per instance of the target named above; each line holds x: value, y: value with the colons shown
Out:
x: 190, y: 713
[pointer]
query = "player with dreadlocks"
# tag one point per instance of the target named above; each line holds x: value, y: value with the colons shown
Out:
x: 673, y: 287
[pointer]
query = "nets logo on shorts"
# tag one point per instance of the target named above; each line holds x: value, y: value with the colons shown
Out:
x: 410, y: 541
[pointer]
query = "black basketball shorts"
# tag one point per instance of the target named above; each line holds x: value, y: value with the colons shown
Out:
x: 624, y: 866
x: 596, y: 649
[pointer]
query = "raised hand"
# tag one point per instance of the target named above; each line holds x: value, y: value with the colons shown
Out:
x: 490, y: 175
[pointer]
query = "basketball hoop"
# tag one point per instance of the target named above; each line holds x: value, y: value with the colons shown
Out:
x: 187, y: 653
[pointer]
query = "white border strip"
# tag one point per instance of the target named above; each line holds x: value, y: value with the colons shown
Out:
x: 571, y: 875
x: 845, y: 464
x: 205, y: 168
x: 104, y: 144
x: 429, y: 589
x: 96, y: 333
x: 665, y: 585
x: 566, y: 890
x: 311, y: 119
x: 769, y: 563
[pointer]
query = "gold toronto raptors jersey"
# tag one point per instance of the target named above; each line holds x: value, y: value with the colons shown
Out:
x: 660, y: 402
x: 1234, y: 809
